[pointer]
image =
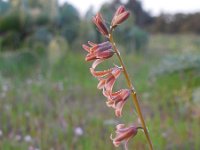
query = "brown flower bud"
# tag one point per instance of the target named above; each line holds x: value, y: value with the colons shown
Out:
x: 100, y: 23
x: 98, y: 51
x: 120, y: 16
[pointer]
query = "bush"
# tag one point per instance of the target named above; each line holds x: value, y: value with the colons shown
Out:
x: 41, y: 35
x: 10, y: 22
x: 139, y: 37
x: 69, y: 22
x: 11, y: 40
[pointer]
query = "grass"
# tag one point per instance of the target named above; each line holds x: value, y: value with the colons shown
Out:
x: 57, y: 106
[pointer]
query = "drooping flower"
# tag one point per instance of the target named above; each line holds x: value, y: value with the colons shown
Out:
x: 98, y: 51
x: 100, y: 23
x: 117, y: 100
x: 108, y: 81
x: 123, y: 134
x: 120, y: 16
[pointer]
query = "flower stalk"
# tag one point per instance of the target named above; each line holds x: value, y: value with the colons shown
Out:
x: 133, y: 92
x: 98, y: 53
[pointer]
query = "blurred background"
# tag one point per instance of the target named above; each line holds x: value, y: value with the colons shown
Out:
x: 48, y: 98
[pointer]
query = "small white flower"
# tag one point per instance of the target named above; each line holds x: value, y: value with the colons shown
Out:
x: 78, y: 131
x: 1, y: 133
x: 5, y: 88
x: 27, y: 138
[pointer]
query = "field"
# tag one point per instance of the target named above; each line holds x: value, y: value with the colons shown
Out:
x: 56, y: 106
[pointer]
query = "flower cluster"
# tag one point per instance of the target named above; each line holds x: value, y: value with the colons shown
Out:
x: 98, y: 53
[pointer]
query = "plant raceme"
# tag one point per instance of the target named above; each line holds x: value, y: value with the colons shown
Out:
x: 98, y: 53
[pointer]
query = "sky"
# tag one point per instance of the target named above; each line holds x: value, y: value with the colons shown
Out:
x: 155, y: 7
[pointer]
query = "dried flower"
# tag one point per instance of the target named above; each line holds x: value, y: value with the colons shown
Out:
x: 98, y: 51
x: 124, y: 134
x: 120, y: 16
x: 117, y: 100
x: 100, y: 23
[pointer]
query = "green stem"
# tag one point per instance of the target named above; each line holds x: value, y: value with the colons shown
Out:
x: 133, y: 93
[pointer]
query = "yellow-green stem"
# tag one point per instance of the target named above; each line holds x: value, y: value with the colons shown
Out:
x: 133, y: 93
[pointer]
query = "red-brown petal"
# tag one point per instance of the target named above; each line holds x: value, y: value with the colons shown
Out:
x: 85, y: 47
x: 99, y: 73
x: 91, y: 43
x: 97, y: 62
x: 110, y: 83
x: 116, y: 72
x: 120, y: 126
x: 101, y: 83
x: 118, y: 108
x: 120, y: 18
x: 125, y: 135
x: 99, y: 22
x: 120, y: 10
x: 105, y: 54
x: 90, y: 57
x: 110, y: 103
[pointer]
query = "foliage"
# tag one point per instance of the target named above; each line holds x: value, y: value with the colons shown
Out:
x: 10, y: 22
x: 41, y: 100
x: 42, y: 34
x: 69, y: 22
x: 11, y: 40
x: 42, y: 19
x: 28, y: 22
x: 137, y: 38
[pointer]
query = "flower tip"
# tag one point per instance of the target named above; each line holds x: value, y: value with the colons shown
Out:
x: 118, y: 113
x: 120, y: 16
x: 100, y: 23
x: 85, y: 47
x: 120, y: 9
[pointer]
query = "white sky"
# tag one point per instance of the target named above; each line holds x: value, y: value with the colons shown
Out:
x: 153, y: 6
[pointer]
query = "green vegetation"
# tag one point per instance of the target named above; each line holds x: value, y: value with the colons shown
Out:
x: 54, y: 104
x: 49, y: 100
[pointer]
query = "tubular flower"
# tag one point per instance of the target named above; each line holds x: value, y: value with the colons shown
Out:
x: 123, y: 134
x: 108, y: 81
x: 99, y: 74
x: 100, y: 23
x: 120, y: 16
x: 98, y: 51
x: 117, y: 100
